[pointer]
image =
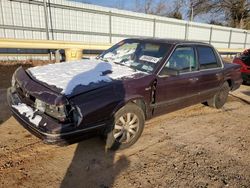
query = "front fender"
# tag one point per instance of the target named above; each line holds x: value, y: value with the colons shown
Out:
x: 137, y: 99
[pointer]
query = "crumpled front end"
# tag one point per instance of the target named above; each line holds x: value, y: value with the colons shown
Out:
x: 34, y: 120
x: 45, y: 113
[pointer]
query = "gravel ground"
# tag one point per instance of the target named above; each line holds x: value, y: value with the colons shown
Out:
x: 194, y: 147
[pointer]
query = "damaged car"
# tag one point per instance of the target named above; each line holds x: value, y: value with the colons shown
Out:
x: 116, y: 92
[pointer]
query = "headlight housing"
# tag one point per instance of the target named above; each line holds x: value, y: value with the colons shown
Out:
x: 57, y: 112
x: 40, y: 105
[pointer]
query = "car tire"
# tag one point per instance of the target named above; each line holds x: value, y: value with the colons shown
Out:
x: 126, y: 128
x: 220, y: 98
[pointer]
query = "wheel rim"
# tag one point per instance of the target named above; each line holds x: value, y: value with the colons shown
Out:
x: 222, y: 96
x: 126, y: 127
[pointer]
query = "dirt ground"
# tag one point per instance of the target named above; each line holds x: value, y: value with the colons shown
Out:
x: 194, y: 147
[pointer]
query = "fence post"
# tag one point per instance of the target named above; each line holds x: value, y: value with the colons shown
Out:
x: 110, y: 27
x: 154, y: 23
x: 186, y: 31
x: 245, y: 42
x: 230, y: 37
x: 211, y: 34
x: 73, y: 54
x: 1, y: 8
x: 50, y: 19
x: 46, y: 18
x: 57, y: 56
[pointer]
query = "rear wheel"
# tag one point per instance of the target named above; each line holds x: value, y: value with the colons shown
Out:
x: 220, y: 98
x: 127, y: 127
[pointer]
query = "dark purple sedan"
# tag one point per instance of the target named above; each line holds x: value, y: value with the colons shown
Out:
x: 116, y: 92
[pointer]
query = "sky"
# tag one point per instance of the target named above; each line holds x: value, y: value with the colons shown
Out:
x: 130, y: 5
x: 121, y: 4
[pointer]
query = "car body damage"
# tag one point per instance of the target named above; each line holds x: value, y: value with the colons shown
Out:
x: 140, y: 78
x: 28, y: 112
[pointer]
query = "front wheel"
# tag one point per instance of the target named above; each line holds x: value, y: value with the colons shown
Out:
x: 220, y: 98
x: 127, y: 127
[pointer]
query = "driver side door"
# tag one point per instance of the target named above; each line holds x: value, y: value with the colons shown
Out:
x: 175, y: 91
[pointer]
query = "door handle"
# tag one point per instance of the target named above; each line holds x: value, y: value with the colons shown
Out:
x: 218, y: 74
x: 193, y: 79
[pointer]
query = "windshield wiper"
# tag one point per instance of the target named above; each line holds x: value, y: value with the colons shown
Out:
x: 101, y: 58
x: 133, y: 68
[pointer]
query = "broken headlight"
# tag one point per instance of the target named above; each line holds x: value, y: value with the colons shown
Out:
x: 55, y: 111
x: 40, y: 105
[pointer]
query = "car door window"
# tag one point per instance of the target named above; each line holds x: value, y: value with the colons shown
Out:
x: 207, y: 58
x: 183, y: 60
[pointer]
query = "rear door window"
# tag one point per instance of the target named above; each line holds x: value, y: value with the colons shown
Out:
x: 207, y: 58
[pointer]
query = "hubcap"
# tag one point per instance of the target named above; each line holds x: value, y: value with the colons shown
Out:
x: 126, y: 127
x: 222, y: 95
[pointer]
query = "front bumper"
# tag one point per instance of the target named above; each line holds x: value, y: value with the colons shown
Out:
x: 50, y: 130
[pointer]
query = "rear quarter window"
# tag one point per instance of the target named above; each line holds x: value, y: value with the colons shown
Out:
x: 207, y: 58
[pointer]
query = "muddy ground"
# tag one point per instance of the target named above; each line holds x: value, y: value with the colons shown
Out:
x: 194, y: 147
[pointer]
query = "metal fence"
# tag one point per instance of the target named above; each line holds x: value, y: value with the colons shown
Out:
x: 73, y: 21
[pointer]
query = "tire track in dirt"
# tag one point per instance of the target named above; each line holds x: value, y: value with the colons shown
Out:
x: 38, y: 147
x: 241, y: 99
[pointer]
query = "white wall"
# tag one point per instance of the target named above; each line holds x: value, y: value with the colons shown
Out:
x: 74, y: 21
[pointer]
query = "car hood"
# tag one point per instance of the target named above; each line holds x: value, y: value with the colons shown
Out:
x: 72, y: 78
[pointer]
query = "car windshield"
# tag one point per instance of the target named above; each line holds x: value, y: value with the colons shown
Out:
x: 137, y: 54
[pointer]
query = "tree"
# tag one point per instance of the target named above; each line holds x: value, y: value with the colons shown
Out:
x: 175, y: 10
x: 151, y: 6
x: 236, y: 12
x: 160, y: 7
x: 216, y: 22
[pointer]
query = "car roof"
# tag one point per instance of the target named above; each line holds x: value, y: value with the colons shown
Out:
x: 169, y: 41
